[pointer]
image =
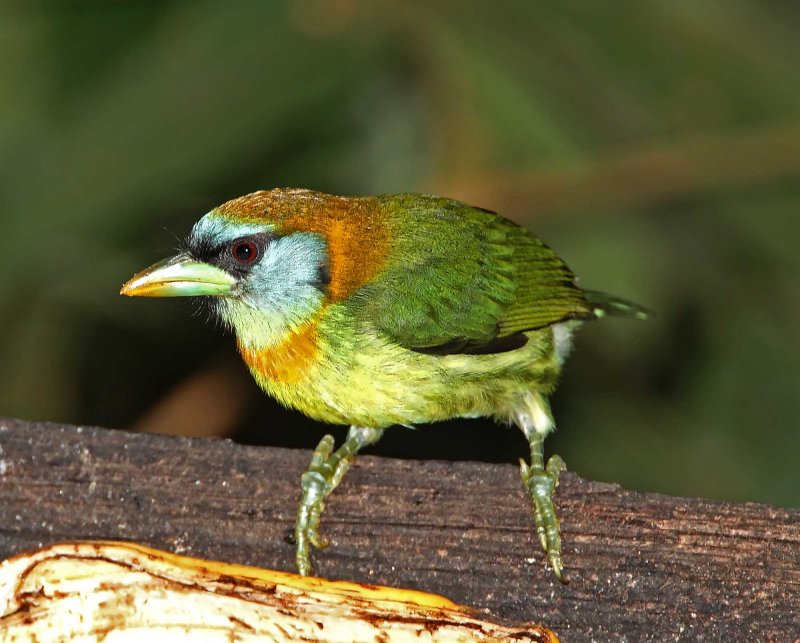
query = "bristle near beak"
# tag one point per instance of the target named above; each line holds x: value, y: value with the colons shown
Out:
x: 179, y: 276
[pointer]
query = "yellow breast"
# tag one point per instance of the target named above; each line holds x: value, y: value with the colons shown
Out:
x: 335, y: 372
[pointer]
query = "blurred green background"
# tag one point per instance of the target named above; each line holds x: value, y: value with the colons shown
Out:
x: 655, y: 145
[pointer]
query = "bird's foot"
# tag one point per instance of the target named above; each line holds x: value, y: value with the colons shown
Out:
x: 541, y: 483
x: 323, y: 474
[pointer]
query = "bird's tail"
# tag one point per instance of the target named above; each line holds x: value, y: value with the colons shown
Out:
x: 604, y: 304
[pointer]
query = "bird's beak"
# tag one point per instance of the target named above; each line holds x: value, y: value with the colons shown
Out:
x: 179, y: 276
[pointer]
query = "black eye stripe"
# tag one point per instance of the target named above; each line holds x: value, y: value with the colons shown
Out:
x: 201, y: 249
x: 211, y: 251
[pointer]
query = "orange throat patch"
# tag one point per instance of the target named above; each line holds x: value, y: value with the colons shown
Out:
x: 287, y: 362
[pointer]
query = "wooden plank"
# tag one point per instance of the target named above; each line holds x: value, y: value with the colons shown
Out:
x: 642, y: 566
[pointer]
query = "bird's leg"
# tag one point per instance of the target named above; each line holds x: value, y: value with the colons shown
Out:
x: 536, y: 421
x: 324, y: 474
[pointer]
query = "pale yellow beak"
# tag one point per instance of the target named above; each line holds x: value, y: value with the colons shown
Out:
x: 179, y: 276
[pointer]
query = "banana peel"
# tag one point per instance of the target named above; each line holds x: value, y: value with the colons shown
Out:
x: 119, y: 592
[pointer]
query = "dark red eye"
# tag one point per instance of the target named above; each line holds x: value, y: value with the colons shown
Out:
x: 244, y: 251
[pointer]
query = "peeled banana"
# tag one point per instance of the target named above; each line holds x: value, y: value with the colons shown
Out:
x: 119, y: 592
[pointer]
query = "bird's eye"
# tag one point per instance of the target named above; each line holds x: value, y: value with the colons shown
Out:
x: 244, y: 251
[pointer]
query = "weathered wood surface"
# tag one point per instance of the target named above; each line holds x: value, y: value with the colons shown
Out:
x: 642, y: 566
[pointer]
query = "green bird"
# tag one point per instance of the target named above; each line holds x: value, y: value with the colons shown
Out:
x: 383, y: 310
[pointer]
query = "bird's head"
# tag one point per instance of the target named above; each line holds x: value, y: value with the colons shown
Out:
x: 268, y: 261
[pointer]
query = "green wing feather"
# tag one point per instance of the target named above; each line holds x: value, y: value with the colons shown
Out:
x: 463, y: 279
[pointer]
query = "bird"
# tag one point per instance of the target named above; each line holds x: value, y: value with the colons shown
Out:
x: 397, y: 309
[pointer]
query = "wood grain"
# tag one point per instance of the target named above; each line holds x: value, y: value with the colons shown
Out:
x: 642, y: 566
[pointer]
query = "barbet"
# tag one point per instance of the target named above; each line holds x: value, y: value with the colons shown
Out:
x: 397, y: 309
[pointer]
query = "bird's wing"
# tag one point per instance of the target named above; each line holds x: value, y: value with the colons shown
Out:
x: 461, y: 279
